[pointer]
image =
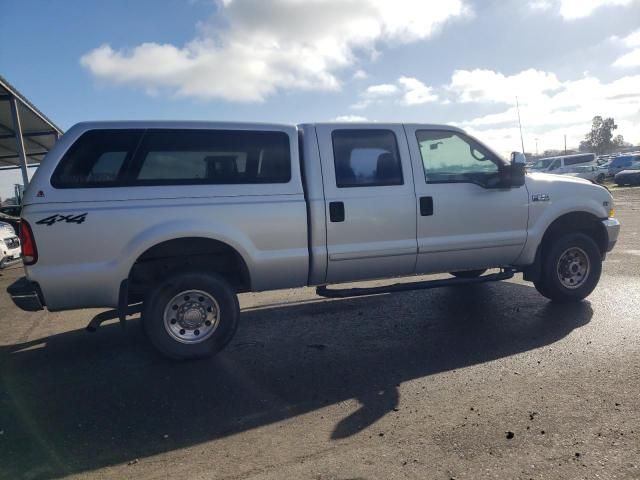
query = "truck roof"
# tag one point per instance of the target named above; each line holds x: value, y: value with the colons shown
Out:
x: 435, y: 126
x: 187, y: 124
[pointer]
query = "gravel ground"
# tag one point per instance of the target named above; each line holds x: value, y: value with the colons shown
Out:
x: 485, y: 381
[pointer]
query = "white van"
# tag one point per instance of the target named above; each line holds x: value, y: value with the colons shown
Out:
x: 562, y: 164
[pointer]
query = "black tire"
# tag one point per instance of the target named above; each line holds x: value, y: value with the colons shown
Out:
x: 213, y: 286
x: 600, y: 178
x: 468, y: 273
x: 559, y: 248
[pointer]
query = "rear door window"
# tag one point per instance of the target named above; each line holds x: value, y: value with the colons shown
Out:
x: 366, y: 158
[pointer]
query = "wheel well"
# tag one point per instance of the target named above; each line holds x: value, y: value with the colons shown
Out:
x: 581, y: 222
x: 186, y: 254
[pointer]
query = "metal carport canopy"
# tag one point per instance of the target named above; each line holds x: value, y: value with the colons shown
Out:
x: 26, y: 134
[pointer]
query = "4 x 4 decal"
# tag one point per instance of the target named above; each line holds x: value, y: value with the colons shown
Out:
x: 62, y: 218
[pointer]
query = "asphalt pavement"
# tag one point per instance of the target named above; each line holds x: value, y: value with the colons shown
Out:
x: 473, y: 382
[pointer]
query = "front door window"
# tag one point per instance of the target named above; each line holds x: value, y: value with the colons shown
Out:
x: 451, y: 157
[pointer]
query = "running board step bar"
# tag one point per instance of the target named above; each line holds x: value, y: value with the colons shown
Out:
x: 323, y: 291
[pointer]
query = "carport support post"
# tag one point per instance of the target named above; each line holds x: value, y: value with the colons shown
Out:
x: 17, y: 128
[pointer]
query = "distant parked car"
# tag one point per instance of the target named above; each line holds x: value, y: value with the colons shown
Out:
x: 622, y: 162
x: 11, y: 210
x: 603, y: 160
x: 630, y: 176
x: 588, y: 172
x: 562, y: 163
x: 9, y: 246
x: 11, y: 214
x: 604, y: 168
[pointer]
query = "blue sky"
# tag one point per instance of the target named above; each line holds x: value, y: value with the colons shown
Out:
x: 445, y: 61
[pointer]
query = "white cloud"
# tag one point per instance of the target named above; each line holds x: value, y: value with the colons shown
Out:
x: 631, y: 58
x: 416, y: 92
x: 360, y: 75
x: 405, y: 91
x: 488, y: 86
x: 633, y: 39
x: 540, y: 5
x: 375, y: 94
x: 251, y: 49
x: 382, y: 90
x: 550, y: 108
x: 350, y: 118
x: 575, y: 9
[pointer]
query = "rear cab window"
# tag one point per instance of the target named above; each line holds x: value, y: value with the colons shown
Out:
x: 146, y: 157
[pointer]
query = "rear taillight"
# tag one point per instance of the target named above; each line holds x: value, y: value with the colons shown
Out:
x: 29, y: 250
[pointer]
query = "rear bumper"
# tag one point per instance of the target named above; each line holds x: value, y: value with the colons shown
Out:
x: 612, y: 226
x: 26, y: 295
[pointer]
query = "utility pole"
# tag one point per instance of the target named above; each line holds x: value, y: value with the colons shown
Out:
x: 565, y: 143
x: 536, y: 146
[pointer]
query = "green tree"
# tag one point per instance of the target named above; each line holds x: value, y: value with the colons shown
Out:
x: 618, y: 142
x: 600, y: 139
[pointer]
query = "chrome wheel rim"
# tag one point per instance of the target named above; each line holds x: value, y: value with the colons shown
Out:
x: 191, y: 316
x: 573, y: 268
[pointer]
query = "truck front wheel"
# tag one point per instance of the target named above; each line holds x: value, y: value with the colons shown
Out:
x: 191, y: 315
x: 571, y: 268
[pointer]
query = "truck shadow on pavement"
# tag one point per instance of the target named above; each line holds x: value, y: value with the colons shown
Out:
x: 75, y: 402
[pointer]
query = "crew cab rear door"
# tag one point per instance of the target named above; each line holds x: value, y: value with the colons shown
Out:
x: 370, y: 201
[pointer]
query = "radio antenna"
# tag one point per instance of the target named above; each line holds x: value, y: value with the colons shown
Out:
x: 520, y: 124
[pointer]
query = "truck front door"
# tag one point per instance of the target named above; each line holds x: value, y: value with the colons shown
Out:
x: 370, y: 202
x: 466, y: 220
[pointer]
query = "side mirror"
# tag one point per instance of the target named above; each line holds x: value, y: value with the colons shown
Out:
x: 515, y: 171
x: 519, y: 158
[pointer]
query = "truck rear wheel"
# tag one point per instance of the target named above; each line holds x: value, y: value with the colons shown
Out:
x: 468, y: 273
x: 191, y: 315
x: 571, y: 268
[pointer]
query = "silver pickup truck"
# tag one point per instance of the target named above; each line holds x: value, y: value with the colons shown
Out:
x: 173, y: 219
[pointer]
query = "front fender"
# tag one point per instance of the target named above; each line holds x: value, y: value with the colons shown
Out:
x: 557, y: 197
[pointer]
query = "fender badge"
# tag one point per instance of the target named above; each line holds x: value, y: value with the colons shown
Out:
x: 40, y: 193
x: 540, y: 197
